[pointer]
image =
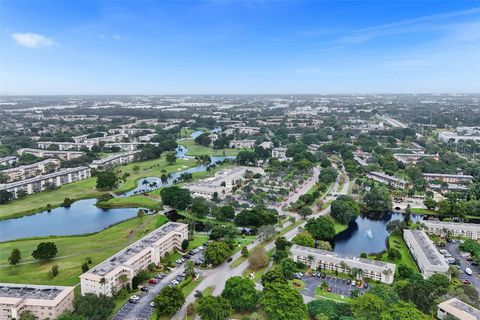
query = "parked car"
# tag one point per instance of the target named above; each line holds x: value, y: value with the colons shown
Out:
x: 349, y: 281
x: 152, y: 281
x: 144, y: 289
x: 229, y: 259
x: 152, y: 304
x: 466, y: 281
x: 468, y: 271
x: 365, y: 285
x: 329, y: 289
x: 159, y: 276
x: 353, y: 283
x: 134, y: 299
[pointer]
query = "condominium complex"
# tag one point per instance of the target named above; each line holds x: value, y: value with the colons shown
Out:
x: 31, y: 170
x: 457, y: 309
x: 43, y: 182
x: 5, y: 161
x: 63, y: 155
x: 44, y: 302
x: 280, y: 153
x: 242, y: 144
x: 65, y: 146
x: 456, y: 229
x: 328, y: 260
x: 413, y: 157
x: 391, y: 181
x: 221, y: 183
x: 449, y: 178
x: 128, y: 146
x: 423, y: 250
x: 115, y: 160
x: 448, y: 137
x: 106, y: 277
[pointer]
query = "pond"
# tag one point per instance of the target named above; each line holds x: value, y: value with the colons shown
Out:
x: 367, y: 235
x: 82, y: 217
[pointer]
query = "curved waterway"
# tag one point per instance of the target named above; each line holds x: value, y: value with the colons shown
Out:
x: 367, y: 235
x: 84, y: 216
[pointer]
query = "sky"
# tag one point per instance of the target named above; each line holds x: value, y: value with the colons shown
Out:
x: 239, y: 47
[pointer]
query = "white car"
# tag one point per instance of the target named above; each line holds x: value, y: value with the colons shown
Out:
x: 353, y: 283
x: 134, y: 299
x: 152, y: 304
x: 468, y: 271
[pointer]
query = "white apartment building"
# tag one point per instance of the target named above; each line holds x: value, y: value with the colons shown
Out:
x: 328, y: 260
x: 423, y: 250
x: 8, y: 160
x: 413, y: 157
x: 40, y: 183
x: 65, y: 146
x: 221, y: 183
x: 389, y: 180
x: 115, y: 160
x: 105, y: 278
x: 447, y: 137
x: 242, y: 143
x: 44, y: 302
x: 449, y: 178
x: 457, y: 309
x: 63, y: 155
x: 31, y: 170
x: 280, y: 153
x: 128, y: 146
x: 457, y: 229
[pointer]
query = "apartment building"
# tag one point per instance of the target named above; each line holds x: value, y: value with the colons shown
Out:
x: 63, y: 155
x: 6, y: 161
x: 408, y: 158
x: 280, y: 153
x: 128, y: 146
x: 448, y: 137
x: 423, y: 250
x: 221, y: 184
x: 242, y: 143
x: 41, y: 183
x: 389, y: 180
x: 115, y: 160
x: 31, y: 170
x: 456, y: 229
x: 457, y: 309
x: 65, y: 146
x: 106, y: 277
x: 448, y: 178
x: 327, y: 260
x: 44, y: 302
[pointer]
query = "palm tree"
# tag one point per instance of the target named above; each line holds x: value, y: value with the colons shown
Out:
x: 310, y: 259
x: 345, y: 267
x: 123, y: 279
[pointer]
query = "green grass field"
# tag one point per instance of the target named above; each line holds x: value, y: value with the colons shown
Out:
x: 86, y: 188
x: 136, y: 201
x: 197, y: 150
x: 397, y: 242
x: 72, y: 252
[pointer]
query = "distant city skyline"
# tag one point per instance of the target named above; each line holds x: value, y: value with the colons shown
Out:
x: 236, y: 47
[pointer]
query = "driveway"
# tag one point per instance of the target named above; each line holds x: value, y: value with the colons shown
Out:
x: 453, y: 249
x: 339, y: 286
x: 142, y: 309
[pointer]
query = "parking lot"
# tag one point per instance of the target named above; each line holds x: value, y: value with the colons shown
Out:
x: 337, y: 285
x: 452, y: 248
x: 142, y: 309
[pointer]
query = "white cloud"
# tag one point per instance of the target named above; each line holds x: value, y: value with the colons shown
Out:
x: 116, y: 37
x: 101, y: 36
x: 32, y: 40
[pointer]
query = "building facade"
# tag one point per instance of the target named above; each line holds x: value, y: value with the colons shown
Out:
x: 113, y: 273
x: 31, y: 170
x: 115, y: 160
x: 423, y: 250
x: 44, y: 302
x: 391, y: 181
x: 448, y: 178
x: 63, y: 155
x: 457, y: 309
x: 327, y: 260
x: 456, y: 229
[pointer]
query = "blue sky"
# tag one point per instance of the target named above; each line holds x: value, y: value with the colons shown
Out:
x: 228, y: 47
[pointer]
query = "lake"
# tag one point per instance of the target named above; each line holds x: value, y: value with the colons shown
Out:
x: 367, y: 235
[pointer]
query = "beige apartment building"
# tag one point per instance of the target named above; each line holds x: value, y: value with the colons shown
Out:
x: 44, y: 302
x: 106, y: 277
x: 456, y: 229
x: 457, y: 309
x: 328, y: 260
x: 31, y: 170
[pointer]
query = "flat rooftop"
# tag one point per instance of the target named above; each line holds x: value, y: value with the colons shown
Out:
x: 10, y: 290
x: 43, y: 177
x: 427, y: 247
x: 124, y: 255
x: 460, y: 309
x: 445, y: 224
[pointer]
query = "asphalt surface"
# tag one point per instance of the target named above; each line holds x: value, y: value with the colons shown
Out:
x: 339, y: 286
x: 142, y: 309
x: 453, y: 249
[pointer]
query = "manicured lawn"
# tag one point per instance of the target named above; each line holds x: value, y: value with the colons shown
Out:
x: 72, y: 252
x: 86, y: 188
x: 423, y: 211
x: 296, y: 284
x: 191, y: 286
x: 132, y: 202
x: 339, y: 227
x: 196, y: 149
x: 398, y: 243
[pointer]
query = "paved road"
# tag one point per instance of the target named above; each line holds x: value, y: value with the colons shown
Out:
x: 142, y: 309
x: 453, y: 249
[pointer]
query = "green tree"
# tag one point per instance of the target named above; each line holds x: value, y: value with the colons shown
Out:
x: 225, y: 213
x: 199, y: 207
x: 176, y: 197
x: 327, y: 308
x: 304, y: 239
x: 5, y: 196
x: 344, y: 209
x: 217, y: 252
x: 403, y: 311
x: 184, y: 244
x: 244, y: 251
x: 54, y: 271
x: 190, y: 269
x: 140, y: 214
x: 15, y: 257
x: 214, y: 308
x: 171, y: 157
x: 367, y: 306
x: 321, y: 228
x: 45, y: 251
x: 70, y: 316
x: 94, y: 307
x: 273, y: 275
x: 241, y: 293
x: 407, y: 216
x: 328, y: 175
x: 282, y: 302
x: 169, y: 300
x: 377, y: 201
x: 106, y: 180
x: 27, y: 315
x: 281, y: 243
x: 258, y: 258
